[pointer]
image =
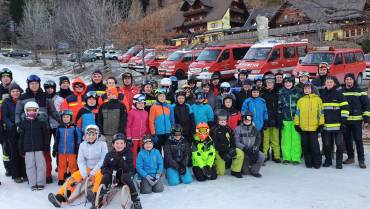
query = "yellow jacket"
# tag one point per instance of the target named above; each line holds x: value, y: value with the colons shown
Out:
x: 309, y: 114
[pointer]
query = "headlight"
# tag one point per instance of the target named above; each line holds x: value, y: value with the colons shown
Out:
x: 205, y: 69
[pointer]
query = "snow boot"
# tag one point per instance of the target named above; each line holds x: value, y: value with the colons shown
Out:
x: 34, y: 188
x: 40, y: 187
x: 349, y: 161
x: 339, y: 166
x: 60, y: 182
x: 257, y: 175
x: 277, y: 160
x: 56, y: 200
x: 18, y: 180
x: 137, y: 204
x: 91, y: 196
x: 49, y: 180
x: 237, y: 174
x: 362, y: 164
x: 327, y: 164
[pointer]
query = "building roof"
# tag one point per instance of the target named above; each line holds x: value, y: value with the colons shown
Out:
x: 267, y: 12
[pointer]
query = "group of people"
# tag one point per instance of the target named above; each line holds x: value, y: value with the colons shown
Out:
x: 159, y: 131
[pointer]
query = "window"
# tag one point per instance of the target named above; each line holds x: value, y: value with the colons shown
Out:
x: 339, y: 59
x: 359, y: 57
x: 289, y: 52
x: 225, y: 55
x: 350, y: 57
x: 188, y: 57
x: 275, y: 55
x: 238, y: 53
x: 302, y: 51
x: 347, y: 33
x: 353, y: 33
x: 213, y: 25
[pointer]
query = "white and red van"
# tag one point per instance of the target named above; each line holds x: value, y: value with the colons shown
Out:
x: 177, y: 64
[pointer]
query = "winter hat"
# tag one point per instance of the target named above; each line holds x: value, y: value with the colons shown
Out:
x: 97, y: 72
x: 62, y: 79
x: 350, y: 75
x: 118, y: 136
x: 248, y: 82
x: 147, y: 139
x: 112, y: 91
x: 13, y: 86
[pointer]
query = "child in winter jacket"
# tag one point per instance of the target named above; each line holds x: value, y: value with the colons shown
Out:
x: 149, y: 165
x: 257, y: 106
x: 137, y: 125
x: 204, y: 154
x: 160, y: 119
x: 90, y: 158
x: 176, y: 155
x: 233, y: 115
x: 67, y: 141
x: 88, y: 113
x: 119, y: 161
x: 290, y: 138
x: 33, y: 141
x: 203, y: 112
x: 308, y: 120
x: 248, y: 139
x: 226, y: 152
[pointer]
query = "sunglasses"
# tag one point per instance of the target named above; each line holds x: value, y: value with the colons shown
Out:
x: 78, y: 86
x: 203, y: 130
x: 31, y: 110
x: 91, y: 133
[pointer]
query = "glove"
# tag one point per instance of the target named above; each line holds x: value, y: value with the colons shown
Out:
x: 343, y: 128
x: 232, y: 152
x: 207, y: 171
x: 129, y: 142
x: 54, y: 153
x: 319, y: 129
x: 19, y: 129
x: 253, y: 154
x: 150, y: 180
x: 182, y: 171
x: 297, y: 128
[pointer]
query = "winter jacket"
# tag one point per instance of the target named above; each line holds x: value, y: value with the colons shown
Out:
x: 121, y: 97
x: 75, y: 101
x: 8, y: 113
x: 184, y: 116
x: 358, y: 102
x: 99, y: 88
x: 203, y: 152
x: 234, y: 117
x: 67, y: 140
x: 137, y: 124
x: 150, y: 100
x: 129, y: 92
x: 202, y: 113
x: 149, y: 163
x: 118, y: 161
x: 211, y: 100
x: 46, y: 105
x: 57, y: 101
x: 223, y: 139
x: 271, y: 98
x: 34, y: 135
x: 309, y: 114
x: 91, y: 156
x: 4, y: 93
x: 287, y: 103
x: 161, y: 118
x: 64, y: 93
x: 220, y: 100
x: 112, y: 117
x: 247, y: 136
x: 176, y: 153
x: 319, y: 83
x: 86, y: 116
x: 241, y: 97
x: 258, y: 107
x: 335, y: 107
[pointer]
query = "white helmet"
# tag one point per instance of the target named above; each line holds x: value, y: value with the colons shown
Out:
x: 166, y: 82
x: 92, y: 127
x: 31, y: 104
x: 225, y: 87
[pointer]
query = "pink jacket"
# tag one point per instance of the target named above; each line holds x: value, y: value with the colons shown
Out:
x: 137, y: 124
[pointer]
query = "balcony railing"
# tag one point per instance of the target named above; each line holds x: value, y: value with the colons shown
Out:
x: 195, y: 11
x: 193, y: 22
x: 237, y: 10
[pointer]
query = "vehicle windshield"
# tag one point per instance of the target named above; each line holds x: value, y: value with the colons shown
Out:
x: 318, y: 57
x: 257, y: 54
x: 209, y: 55
x: 367, y: 57
x: 149, y: 56
x: 176, y: 56
x: 132, y: 50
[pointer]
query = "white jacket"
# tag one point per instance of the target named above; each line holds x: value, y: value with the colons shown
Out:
x: 91, y: 156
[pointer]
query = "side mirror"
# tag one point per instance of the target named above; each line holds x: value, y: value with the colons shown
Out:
x: 300, y: 61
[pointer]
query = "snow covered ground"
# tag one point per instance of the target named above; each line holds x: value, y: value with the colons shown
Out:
x: 281, y: 187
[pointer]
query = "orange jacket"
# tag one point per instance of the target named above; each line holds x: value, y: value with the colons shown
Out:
x: 75, y: 101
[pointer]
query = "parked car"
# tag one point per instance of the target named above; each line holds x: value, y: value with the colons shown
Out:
x: 271, y: 56
x: 133, y: 51
x: 135, y: 59
x: 367, y: 73
x: 17, y: 53
x: 341, y: 61
x: 177, y: 63
x: 113, y: 54
x: 153, y: 60
x: 86, y: 56
x: 220, y: 59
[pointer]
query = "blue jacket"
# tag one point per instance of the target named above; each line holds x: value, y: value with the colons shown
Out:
x: 202, y: 113
x: 258, y: 107
x: 149, y: 162
x: 67, y: 140
x: 161, y: 118
x: 85, y: 116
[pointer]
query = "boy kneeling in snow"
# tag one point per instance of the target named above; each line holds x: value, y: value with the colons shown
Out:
x: 120, y: 160
x: 248, y: 139
x: 176, y: 155
x: 149, y: 165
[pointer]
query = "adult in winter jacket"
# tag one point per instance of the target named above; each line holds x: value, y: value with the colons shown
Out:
x: 290, y: 138
x: 257, y: 106
x: 176, y: 156
x: 112, y: 117
x: 248, y: 139
x: 33, y: 142
x: 233, y: 115
x: 64, y: 84
x: 358, y: 101
x: 308, y: 121
x: 323, y: 72
x: 119, y: 161
x: 97, y: 84
x: 137, y: 125
x: 149, y: 166
x: 17, y: 167
x: 272, y: 125
x: 128, y: 88
x: 161, y: 119
x: 203, y: 154
x: 112, y: 83
x: 226, y: 151
x: 202, y: 110
x: 75, y: 101
x: 90, y: 158
x: 336, y: 112
x: 89, y: 112
x: 66, y: 144
x: 183, y: 116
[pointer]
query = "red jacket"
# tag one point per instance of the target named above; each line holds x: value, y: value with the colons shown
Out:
x: 75, y: 101
x: 129, y: 92
x: 137, y: 124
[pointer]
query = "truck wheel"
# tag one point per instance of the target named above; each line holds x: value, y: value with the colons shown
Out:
x: 180, y: 74
x: 153, y: 71
x: 359, y: 79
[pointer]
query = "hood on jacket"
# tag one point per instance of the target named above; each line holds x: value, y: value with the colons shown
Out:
x: 80, y: 81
